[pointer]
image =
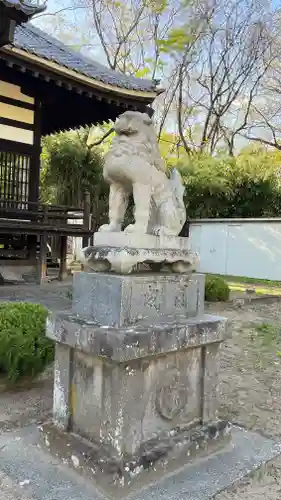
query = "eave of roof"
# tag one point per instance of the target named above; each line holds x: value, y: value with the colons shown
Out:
x: 35, y: 46
x: 29, y: 8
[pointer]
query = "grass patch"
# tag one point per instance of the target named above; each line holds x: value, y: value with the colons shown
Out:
x: 249, y: 281
x: 267, y: 340
x: 259, y: 290
x: 269, y: 335
x: 259, y: 286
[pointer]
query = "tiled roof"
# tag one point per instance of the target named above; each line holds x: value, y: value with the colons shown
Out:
x: 37, y: 42
x: 28, y: 7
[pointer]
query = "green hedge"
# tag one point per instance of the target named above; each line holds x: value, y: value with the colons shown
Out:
x: 24, y: 349
x: 216, y: 289
x: 247, y: 185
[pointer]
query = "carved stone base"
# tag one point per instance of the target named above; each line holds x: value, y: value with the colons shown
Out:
x: 158, y: 456
x: 123, y: 387
x: 126, y: 253
x: 136, y: 375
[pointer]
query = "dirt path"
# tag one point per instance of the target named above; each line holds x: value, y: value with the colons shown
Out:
x: 250, y: 387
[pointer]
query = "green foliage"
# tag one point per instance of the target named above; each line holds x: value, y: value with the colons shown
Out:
x: 267, y: 340
x: 268, y: 334
x: 247, y: 185
x: 70, y: 168
x: 216, y: 289
x: 222, y: 186
x: 24, y: 349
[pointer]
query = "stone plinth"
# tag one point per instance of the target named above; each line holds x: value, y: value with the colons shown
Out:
x: 117, y: 300
x: 125, y: 253
x: 135, y: 398
x: 123, y: 387
x: 136, y: 373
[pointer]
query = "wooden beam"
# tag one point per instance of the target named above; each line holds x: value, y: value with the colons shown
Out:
x: 22, y: 227
x: 16, y: 123
x: 13, y: 254
x: 17, y: 103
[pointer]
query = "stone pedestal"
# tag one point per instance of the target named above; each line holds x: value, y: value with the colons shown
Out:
x: 135, y: 374
x: 120, y: 300
x: 124, y: 253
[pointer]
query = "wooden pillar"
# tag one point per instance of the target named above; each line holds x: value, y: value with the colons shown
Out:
x: 63, y: 256
x: 33, y: 196
x: 34, y: 173
x: 86, y: 218
x: 42, y: 265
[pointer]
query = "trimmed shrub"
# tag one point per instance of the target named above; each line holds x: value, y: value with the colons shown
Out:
x: 24, y: 349
x: 216, y: 289
x: 247, y: 185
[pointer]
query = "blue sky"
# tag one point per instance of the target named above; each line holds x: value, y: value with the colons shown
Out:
x: 51, y: 24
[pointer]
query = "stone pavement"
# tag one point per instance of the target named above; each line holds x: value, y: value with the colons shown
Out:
x: 29, y: 473
x: 10, y: 491
x: 54, y: 295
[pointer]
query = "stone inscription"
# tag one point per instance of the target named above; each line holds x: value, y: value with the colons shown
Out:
x: 180, y: 300
x: 171, y: 394
x: 152, y: 298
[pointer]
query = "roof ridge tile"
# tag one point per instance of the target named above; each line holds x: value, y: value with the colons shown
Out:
x: 36, y: 41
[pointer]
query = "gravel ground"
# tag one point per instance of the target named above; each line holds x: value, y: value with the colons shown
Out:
x: 250, y: 388
x: 53, y: 295
x: 250, y: 384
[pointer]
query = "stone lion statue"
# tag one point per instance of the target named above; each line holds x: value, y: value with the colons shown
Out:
x: 134, y: 165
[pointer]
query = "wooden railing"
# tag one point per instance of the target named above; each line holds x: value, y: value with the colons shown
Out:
x: 23, y: 224
x: 54, y: 218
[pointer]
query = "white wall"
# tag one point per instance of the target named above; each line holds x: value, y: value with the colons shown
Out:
x: 234, y: 247
x: 238, y: 247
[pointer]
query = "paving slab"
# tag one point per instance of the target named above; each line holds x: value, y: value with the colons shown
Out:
x: 39, y: 476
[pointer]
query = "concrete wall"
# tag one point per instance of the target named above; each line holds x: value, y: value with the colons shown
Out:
x: 235, y: 247
x: 238, y: 247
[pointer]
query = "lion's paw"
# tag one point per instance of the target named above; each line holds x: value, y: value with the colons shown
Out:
x: 162, y: 231
x: 110, y: 228
x: 135, y: 228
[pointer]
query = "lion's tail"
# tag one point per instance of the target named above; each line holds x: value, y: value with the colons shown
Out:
x: 178, y: 191
x: 177, y: 185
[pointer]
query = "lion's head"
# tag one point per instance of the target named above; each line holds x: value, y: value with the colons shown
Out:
x: 132, y: 122
x: 137, y: 129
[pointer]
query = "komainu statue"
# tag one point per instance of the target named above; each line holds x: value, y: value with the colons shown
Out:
x: 134, y: 165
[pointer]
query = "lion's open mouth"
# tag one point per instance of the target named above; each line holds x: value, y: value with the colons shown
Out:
x: 123, y: 132
x: 126, y: 131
